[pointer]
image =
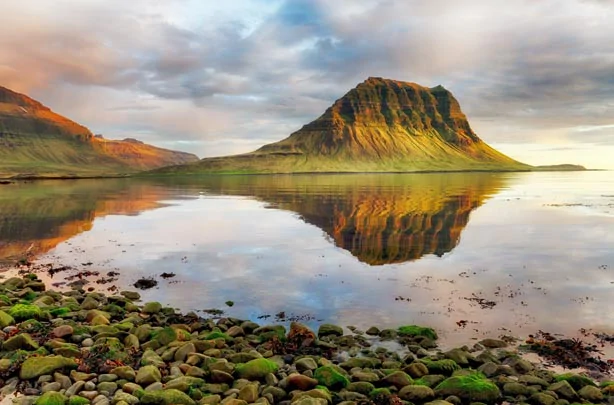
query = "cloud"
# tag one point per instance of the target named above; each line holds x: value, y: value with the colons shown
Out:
x: 254, y: 71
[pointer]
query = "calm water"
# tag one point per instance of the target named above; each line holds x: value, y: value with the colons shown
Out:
x: 350, y: 249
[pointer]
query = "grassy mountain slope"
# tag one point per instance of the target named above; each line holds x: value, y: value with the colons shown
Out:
x: 35, y: 141
x: 379, y: 126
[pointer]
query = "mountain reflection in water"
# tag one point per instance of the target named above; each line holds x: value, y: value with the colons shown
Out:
x: 380, y: 219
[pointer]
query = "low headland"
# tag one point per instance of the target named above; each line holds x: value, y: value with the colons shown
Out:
x: 77, y: 348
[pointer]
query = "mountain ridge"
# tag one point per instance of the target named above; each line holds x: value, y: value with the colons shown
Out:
x: 381, y: 125
x: 37, y: 142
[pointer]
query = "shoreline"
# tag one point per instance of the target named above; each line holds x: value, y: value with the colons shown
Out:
x: 139, y: 175
x: 78, y: 348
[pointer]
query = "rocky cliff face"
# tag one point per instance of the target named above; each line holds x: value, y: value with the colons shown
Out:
x: 380, y: 125
x: 35, y: 141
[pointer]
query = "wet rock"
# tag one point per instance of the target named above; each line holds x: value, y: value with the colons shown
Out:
x: 416, y: 393
x: 564, y: 389
x: 473, y: 388
x: 493, y: 343
x: 147, y: 375
x: 125, y: 373
x: 301, y: 382
x: 328, y: 329
x: 23, y: 341
x: 308, y: 400
x: 365, y: 376
x: 256, y: 369
x: 398, y: 378
x: 6, y: 320
x: 533, y: 380
x: 51, y: 398
x: 515, y: 389
x: 36, y: 366
x: 152, y: 308
x: 52, y: 386
x: 62, y: 331
x: 75, y: 388
x: 305, y: 364
x: 249, y: 393
x: 542, y: 399
x: 78, y: 376
x: 416, y: 370
x: 591, y: 394
x: 125, y: 397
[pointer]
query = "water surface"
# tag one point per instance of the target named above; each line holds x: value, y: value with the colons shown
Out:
x: 469, y: 254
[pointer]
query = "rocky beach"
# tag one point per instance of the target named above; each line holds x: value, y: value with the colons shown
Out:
x: 76, y: 347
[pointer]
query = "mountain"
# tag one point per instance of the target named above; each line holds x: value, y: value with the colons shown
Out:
x: 379, y: 126
x: 37, y: 142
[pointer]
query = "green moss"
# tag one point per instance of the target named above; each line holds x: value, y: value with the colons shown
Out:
x: 77, y: 400
x: 29, y: 296
x: 415, y: 330
x: 322, y: 388
x: 256, y: 369
x: 421, y: 381
x: 31, y: 325
x: 51, y: 398
x: 5, y: 299
x: 575, y: 380
x: 379, y: 391
x: 472, y: 387
x: 330, y: 377
x: 445, y: 367
x: 59, y: 312
x: 23, y: 312
x: 217, y: 335
x: 165, y: 335
x: 606, y: 384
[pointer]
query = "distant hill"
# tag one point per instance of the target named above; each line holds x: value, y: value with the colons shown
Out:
x: 380, y: 126
x: 35, y: 141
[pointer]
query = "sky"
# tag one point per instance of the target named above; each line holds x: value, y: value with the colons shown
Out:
x: 534, y: 77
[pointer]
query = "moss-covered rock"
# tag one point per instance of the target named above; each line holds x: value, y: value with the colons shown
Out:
x: 330, y: 377
x: 51, y: 398
x: 36, y: 366
x: 445, y: 367
x: 167, y: 397
x: 165, y: 335
x: 415, y: 330
x: 473, y: 388
x: 330, y: 329
x: 217, y: 335
x: 577, y: 381
x: 152, y: 308
x: 6, y: 320
x: 22, y: 341
x: 416, y: 393
x: 397, y: 378
x: 60, y: 312
x: 256, y: 369
x: 22, y: 312
x: 77, y: 400
x: 148, y: 374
